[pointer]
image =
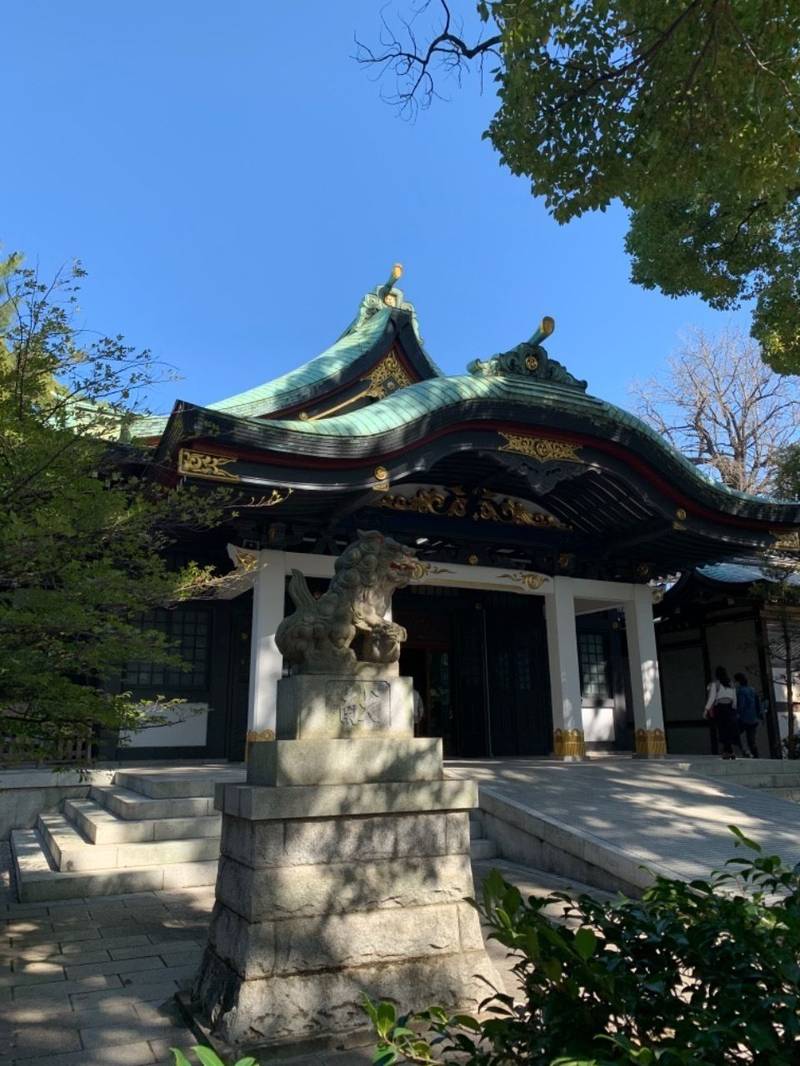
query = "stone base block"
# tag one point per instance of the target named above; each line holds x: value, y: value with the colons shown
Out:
x: 269, y: 1011
x: 314, y: 843
x: 258, y: 804
x: 326, y: 894
x: 330, y: 706
x: 352, y: 761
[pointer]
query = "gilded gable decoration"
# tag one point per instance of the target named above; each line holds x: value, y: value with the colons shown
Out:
x: 386, y: 377
x: 545, y: 451
x: 205, y: 465
x: 456, y: 503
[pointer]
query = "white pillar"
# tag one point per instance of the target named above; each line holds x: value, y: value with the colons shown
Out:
x: 648, y: 715
x: 266, y: 662
x: 565, y: 681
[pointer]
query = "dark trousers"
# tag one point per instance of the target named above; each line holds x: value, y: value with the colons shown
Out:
x: 727, y: 727
x: 750, y: 732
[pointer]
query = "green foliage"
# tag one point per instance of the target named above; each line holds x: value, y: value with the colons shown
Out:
x: 81, y: 532
x: 787, y: 473
x: 685, y: 111
x: 207, y: 1057
x: 701, y: 973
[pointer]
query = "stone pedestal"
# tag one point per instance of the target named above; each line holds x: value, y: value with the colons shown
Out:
x: 344, y: 869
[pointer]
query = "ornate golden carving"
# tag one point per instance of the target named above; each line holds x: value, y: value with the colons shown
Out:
x: 512, y: 512
x: 429, y: 501
x: 202, y: 464
x: 387, y: 376
x: 421, y: 570
x: 243, y: 558
x: 651, y: 742
x: 473, y: 559
x: 786, y: 540
x: 541, y: 449
x: 531, y: 362
x: 453, y: 503
x: 569, y: 743
x: 381, y: 475
x: 680, y: 514
x: 527, y: 580
x: 275, y: 497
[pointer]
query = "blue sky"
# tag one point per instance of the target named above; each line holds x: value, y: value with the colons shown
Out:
x: 233, y: 183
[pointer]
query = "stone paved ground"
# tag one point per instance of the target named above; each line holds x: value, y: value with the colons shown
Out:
x: 654, y: 810
x: 91, y: 982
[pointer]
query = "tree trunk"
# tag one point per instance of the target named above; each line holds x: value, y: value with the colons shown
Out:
x: 788, y: 666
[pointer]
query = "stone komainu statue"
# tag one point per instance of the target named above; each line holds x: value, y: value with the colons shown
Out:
x: 317, y: 638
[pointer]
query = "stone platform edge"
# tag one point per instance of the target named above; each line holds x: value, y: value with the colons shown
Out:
x: 267, y: 803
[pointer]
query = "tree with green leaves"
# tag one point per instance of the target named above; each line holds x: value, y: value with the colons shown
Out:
x: 687, y: 112
x: 787, y: 472
x: 82, y: 533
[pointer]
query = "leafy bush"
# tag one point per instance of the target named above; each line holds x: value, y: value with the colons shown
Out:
x: 207, y: 1057
x: 703, y: 973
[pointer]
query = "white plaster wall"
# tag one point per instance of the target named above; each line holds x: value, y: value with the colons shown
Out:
x: 598, y: 723
x: 185, y: 726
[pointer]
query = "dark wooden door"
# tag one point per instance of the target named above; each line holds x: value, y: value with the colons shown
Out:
x: 519, y: 683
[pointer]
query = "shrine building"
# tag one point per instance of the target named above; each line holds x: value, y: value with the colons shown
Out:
x: 542, y: 519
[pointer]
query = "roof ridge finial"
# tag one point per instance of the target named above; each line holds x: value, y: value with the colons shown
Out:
x: 543, y: 331
x: 528, y: 359
x: 394, y: 277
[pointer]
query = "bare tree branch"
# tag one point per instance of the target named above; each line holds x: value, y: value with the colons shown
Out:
x: 724, y: 408
x: 413, y: 65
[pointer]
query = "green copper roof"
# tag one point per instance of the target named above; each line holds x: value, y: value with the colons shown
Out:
x: 424, y: 397
x: 742, y: 573
x: 292, y: 387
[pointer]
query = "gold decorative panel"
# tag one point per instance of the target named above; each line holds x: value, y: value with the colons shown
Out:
x: 455, y: 503
x: 205, y: 465
x: 569, y: 744
x: 386, y: 376
x: 651, y: 742
x: 786, y: 540
x: 540, y: 448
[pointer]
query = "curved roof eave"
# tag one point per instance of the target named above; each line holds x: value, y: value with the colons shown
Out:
x: 423, y: 398
x: 294, y: 386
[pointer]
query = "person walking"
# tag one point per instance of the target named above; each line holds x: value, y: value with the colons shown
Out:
x: 748, y: 711
x: 721, y: 709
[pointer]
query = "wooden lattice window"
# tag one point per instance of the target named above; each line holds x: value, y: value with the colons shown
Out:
x: 593, y: 659
x: 188, y: 631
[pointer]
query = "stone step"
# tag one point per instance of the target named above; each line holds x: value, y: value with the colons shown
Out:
x: 533, y: 882
x: 481, y: 848
x: 792, y: 794
x: 101, y: 826
x: 38, y: 882
x: 191, y: 783
x: 127, y: 804
x: 71, y: 852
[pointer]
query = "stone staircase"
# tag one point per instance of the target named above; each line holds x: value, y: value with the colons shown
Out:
x: 150, y: 829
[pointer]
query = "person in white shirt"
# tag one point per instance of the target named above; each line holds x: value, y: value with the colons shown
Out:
x: 721, y: 709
